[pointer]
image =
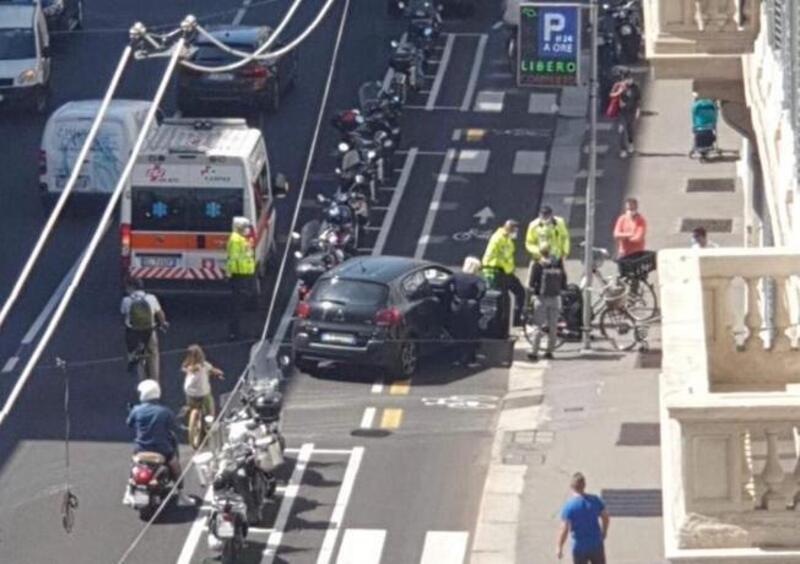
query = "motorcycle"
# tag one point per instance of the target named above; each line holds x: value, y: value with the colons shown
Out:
x: 149, y: 483
x: 227, y: 525
x: 425, y: 24
x: 621, y: 30
x: 407, y: 63
x: 362, y: 147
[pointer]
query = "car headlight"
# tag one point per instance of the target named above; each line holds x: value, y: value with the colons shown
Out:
x: 27, y: 76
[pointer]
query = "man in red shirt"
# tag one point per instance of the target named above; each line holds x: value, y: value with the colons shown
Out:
x: 630, y: 230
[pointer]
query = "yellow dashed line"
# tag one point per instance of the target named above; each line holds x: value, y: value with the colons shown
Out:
x: 400, y: 388
x: 391, y: 418
x: 475, y: 134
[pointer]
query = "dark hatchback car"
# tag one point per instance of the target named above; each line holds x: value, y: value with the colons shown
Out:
x: 373, y: 311
x: 255, y: 87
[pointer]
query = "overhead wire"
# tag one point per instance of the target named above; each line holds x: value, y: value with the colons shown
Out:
x: 47, y: 230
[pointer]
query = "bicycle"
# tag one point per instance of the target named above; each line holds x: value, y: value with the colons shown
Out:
x: 139, y: 360
x: 615, y: 322
x: 197, y: 422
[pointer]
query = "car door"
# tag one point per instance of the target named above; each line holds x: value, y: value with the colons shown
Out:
x: 422, y: 305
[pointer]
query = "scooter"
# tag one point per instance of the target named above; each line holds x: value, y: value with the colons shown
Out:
x: 227, y: 525
x: 407, y: 61
x: 149, y: 483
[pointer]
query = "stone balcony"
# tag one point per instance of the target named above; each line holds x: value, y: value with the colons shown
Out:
x: 730, y: 405
x: 700, y: 38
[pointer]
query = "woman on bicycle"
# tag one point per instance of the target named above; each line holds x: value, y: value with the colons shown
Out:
x: 196, y: 384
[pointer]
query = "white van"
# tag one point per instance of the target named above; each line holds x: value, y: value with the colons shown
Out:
x: 63, y: 138
x: 189, y: 182
x: 24, y: 55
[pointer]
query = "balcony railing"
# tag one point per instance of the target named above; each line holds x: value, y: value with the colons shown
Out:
x: 730, y: 393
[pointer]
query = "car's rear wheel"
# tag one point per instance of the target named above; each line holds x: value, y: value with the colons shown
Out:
x: 407, y: 361
x: 309, y: 367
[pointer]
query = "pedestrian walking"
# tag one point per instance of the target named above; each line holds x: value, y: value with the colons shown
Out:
x: 241, y: 270
x: 551, y: 230
x: 624, y: 105
x: 586, y: 518
x: 546, y: 283
x: 630, y: 230
x: 142, y: 315
x: 500, y: 258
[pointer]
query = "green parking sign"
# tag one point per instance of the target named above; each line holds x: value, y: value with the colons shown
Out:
x: 549, y: 44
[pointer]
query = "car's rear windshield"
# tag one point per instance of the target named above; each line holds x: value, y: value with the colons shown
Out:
x: 17, y: 43
x: 184, y: 208
x: 350, y: 292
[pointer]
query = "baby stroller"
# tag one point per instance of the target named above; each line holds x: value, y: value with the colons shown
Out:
x: 704, y: 127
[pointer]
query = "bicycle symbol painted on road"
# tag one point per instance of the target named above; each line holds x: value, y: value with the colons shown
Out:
x: 463, y: 402
x: 463, y: 236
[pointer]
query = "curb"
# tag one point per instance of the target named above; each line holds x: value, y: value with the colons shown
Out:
x: 495, y: 539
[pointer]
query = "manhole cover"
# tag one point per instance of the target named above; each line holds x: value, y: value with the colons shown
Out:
x: 632, y: 503
x: 711, y: 225
x: 710, y: 185
x: 639, y: 434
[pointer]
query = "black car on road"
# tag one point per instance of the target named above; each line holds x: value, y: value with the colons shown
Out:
x: 374, y: 311
x: 255, y: 87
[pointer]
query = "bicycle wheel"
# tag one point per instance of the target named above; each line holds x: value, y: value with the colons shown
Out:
x: 620, y: 328
x: 642, y: 302
x: 195, y: 428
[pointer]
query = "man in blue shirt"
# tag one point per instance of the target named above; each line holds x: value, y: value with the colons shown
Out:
x: 586, y: 517
x: 155, y: 427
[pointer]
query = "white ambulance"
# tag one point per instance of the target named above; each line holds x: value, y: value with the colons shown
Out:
x: 189, y: 182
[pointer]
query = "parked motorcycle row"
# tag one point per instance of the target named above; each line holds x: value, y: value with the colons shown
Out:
x: 369, y: 136
x: 244, y: 452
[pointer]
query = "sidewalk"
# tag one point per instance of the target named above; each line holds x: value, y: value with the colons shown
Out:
x: 599, y: 414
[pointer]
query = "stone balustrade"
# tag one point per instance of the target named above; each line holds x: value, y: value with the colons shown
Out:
x: 730, y: 405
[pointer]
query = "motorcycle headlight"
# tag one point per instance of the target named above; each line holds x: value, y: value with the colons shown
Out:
x: 371, y: 154
x: 388, y: 144
x: 427, y: 32
x: 625, y: 30
x: 359, y: 118
x: 359, y: 179
x: 27, y: 76
x: 344, y: 147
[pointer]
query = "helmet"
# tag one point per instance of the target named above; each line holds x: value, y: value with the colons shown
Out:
x: 240, y: 223
x: 149, y: 390
x: 338, y: 215
x: 268, y: 405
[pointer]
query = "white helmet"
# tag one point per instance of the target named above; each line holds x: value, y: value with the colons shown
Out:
x: 240, y: 223
x: 149, y: 390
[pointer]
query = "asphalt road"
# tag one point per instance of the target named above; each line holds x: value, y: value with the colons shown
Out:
x: 378, y: 472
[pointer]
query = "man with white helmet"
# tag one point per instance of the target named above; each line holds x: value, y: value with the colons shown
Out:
x: 241, y: 269
x: 155, y: 427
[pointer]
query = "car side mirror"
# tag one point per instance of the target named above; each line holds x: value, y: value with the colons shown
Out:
x: 280, y: 186
x: 46, y: 51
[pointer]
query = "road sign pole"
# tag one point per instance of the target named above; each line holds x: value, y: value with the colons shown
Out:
x: 590, y: 183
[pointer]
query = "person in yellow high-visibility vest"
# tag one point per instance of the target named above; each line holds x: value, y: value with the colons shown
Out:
x: 500, y: 261
x: 241, y: 270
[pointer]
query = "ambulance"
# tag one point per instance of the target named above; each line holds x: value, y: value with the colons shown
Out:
x: 188, y: 183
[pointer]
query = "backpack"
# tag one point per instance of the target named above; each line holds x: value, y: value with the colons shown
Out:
x: 552, y: 282
x: 572, y: 307
x: 140, y: 314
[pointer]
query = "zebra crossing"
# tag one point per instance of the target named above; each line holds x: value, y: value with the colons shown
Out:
x: 366, y: 546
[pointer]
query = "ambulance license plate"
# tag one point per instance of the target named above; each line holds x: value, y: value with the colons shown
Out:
x: 221, y: 76
x: 158, y: 260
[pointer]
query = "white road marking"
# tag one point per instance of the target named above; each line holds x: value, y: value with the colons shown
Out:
x: 435, y: 108
x: 441, y: 181
x: 50, y: 306
x: 193, y: 538
x: 489, y: 101
x: 498, y: 24
x: 10, y: 364
x: 444, y: 547
x: 400, y: 189
x: 368, y: 418
x: 473, y: 75
x: 377, y: 387
x: 274, y: 540
x: 237, y: 19
x: 361, y: 546
x: 345, y: 490
x: 437, y: 82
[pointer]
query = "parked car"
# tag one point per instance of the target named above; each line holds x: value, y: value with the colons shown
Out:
x: 24, y: 56
x: 66, y: 15
x: 257, y: 86
x: 374, y: 311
